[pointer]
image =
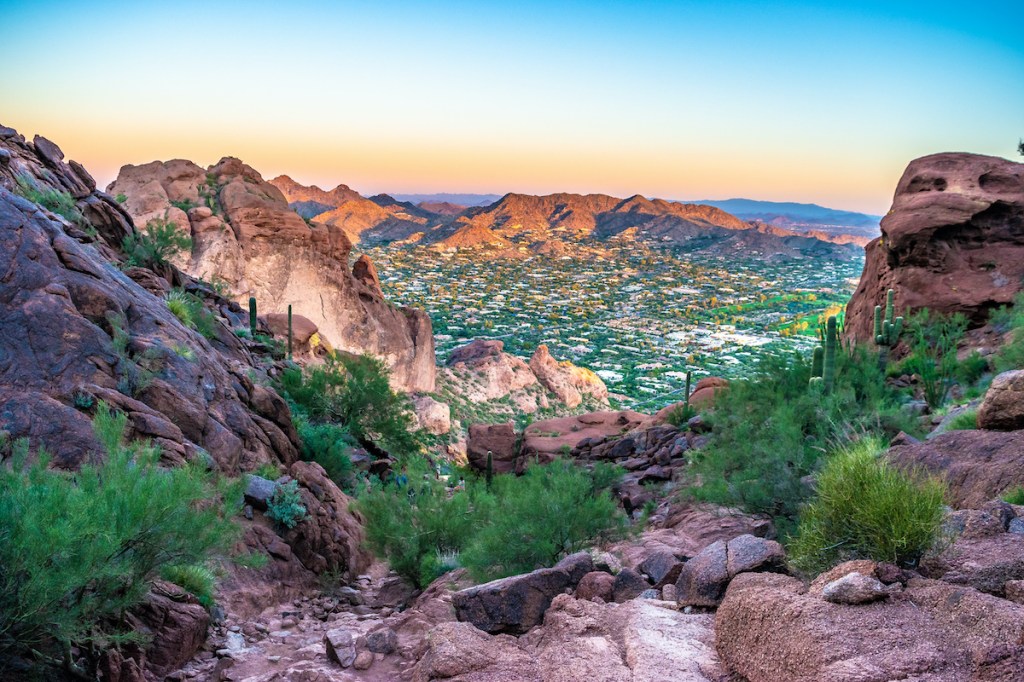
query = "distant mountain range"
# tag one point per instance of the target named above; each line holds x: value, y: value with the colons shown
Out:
x: 450, y: 198
x: 795, y: 215
x: 517, y: 225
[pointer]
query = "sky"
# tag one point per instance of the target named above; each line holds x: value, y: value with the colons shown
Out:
x: 821, y: 102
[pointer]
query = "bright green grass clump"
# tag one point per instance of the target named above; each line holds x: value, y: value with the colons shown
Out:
x: 865, y: 508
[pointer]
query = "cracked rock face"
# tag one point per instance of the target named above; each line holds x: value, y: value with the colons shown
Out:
x: 953, y: 241
x: 245, y: 234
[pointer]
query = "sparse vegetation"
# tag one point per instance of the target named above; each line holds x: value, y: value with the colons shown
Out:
x: 1014, y: 495
x: 151, y: 247
x: 1010, y: 319
x: 285, y: 508
x: 329, y: 445
x: 934, y: 339
x: 61, y: 203
x: 80, y: 548
x: 196, y: 579
x: 865, y: 508
x: 191, y: 312
x: 966, y: 420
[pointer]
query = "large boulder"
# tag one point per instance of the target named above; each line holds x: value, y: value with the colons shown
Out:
x: 986, y: 563
x: 1003, y: 406
x: 977, y: 465
x: 769, y: 628
x: 174, y: 624
x: 498, y: 440
x: 514, y: 604
x: 638, y: 641
x: 245, y: 234
x: 703, y: 579
x: 481, y: 371
x: 569, y: 383
x: 550, y: 438
x: 952, y: 242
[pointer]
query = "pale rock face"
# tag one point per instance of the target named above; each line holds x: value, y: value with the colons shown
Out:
x: 257, y: 245
x: 568, y: 382
x: 433, y: 416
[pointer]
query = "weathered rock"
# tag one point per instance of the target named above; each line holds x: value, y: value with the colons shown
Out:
x: 366, y: 273
x: 383, y: 641
x: 497, y: 439
x: 577, y: 435
x: 596, y: 585
x: 567, y: 381
x: 951, y: 242
x: 662, y: 568
x: 1003, y: 406
x: 865, y: 567
x: 703, y: 579
x: 175, y: 625
x: 260, y: 247
x: 855, y: 588
x: 977, y: 465
x: 768, y: 629
x: 579, y: 640
x: 258, y: 491
x: 514, y: 604
x: 432, y: 416
x: 340, y: 646
x: 481, y: 372
x: 705, y: 391
x: 985, y: 563
x: 576, y: 565
x: 628, y: 584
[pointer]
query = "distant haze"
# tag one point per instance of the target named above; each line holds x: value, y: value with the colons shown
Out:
x: 451, y: 198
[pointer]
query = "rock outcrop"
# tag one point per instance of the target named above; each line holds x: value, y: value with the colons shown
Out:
x: 568, y: 382
x: 953, y: 241
x: 977, y: 465
x: 1003, y: 406
x: 245, y: 234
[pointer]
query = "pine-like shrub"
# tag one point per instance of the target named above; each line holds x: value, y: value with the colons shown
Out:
x: 152, y: 246
x: 79, y: 549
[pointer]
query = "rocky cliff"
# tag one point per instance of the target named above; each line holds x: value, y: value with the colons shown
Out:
x: 953, y: 241
x: 245, y: 234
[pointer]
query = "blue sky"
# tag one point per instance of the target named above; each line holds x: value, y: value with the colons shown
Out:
x: 822, y: 102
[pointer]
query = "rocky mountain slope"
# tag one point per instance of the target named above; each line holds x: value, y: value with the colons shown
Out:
x: 82, y: 326
x: 953, y: 241
x: 522, y: 220
x: 245, y: 236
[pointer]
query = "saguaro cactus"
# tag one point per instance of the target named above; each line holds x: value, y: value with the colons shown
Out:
x: 888, y: 328
x: 252, y: 316
x: 289, y: 332
x: 823, y: 367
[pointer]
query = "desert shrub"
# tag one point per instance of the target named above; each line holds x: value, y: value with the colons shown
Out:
x: 681, y: 414
x: 78, y: 549
x: 192, y: 313
x: 185, y: 205
x: 971, y: 369
x: 61, y: 203
x: 770, y: 431
x: 549, y: 512
x: 121, y: 198
x: 330, y: 446
x: 135, y: 371
x: 423, y: 529
x: 413, y: 519
x: 155, y: 244
x: 965, y: 421
x: 865, y: 508
x: 269, y: 471
x: 1014, y: 495
x: 197, y: 579
x: 932, y: 358
x: 1010, y: 319
x: 285, y: 508
x: 354, y: 391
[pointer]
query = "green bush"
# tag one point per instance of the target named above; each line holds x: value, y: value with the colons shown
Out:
x: 934, y: 339
x: 423, y: 529
x: 965, y: 421
x: 1015, y: 495
x: 79, y: 549
x: 192, y: 313
x: 330, y: 446
x: 353, y: 391
x: 1010, y: 319
x: 285, y: 508
x: 865, y: 508
x: 770, y: 431
x: 549, y: 512
x: 155, y: 244
x: 197, y: 579
x: 61, y: 203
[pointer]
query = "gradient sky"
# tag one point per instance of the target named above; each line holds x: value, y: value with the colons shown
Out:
x: 822, y: 102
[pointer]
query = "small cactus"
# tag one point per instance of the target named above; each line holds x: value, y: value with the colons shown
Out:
x: 252, y: 316
x: 289, y: 332
x: 489, y: 471
x: 888, y: 328
x: 817, y: 361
